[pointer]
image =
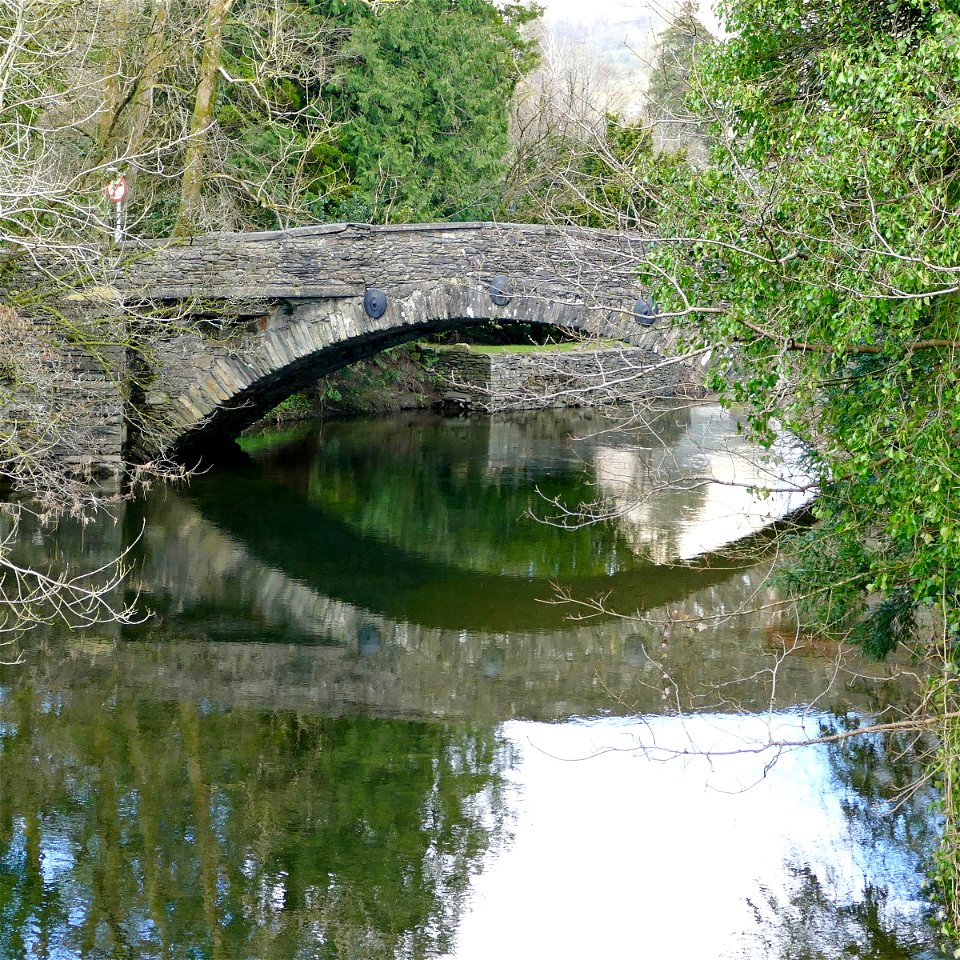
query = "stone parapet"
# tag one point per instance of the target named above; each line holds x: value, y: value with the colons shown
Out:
x: 343, y: 260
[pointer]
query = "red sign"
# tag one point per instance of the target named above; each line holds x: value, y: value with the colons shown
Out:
x: 117, y: 189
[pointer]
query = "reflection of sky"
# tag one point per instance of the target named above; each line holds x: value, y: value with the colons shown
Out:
x: 58, y: 857
x: 627, y: 855
x: 724, y: 477
x: 57, y: 860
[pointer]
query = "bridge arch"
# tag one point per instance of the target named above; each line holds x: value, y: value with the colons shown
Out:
x: 299, y: 308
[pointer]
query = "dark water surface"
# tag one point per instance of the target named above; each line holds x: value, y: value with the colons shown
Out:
x: 359, y: 725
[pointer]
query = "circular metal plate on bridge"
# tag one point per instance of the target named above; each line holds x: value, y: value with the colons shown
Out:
x: 500, y: 292
x: 375, y: 303
x: 645, y: 312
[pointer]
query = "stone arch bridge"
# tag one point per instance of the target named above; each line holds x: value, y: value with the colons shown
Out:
x: 254, y: 317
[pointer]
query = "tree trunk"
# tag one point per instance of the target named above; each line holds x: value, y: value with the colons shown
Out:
x: 115, y: 34
x: 153, y: 63
x: 203, y: 112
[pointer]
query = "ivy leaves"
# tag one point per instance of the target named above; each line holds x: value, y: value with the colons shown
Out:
x: 828, y: 228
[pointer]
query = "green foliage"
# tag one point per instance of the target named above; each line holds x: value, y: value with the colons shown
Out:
x: 295, y: 407
x: 944, y: 888
x: 276, y: 147
x: 421, y: 92
x: 329, y: 393
x: 389, y: 381
x: 323, y: 109
x: 827, y: 233
x: 824, y: 237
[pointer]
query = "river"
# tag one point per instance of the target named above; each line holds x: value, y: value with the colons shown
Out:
x: 394, y: 700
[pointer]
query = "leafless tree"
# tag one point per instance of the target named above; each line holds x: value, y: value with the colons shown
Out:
x: 88, y: 91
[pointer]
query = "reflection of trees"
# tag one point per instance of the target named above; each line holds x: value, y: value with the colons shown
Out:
x: 462, y: 493
x: 889, y: 819
x: 423, y: 519
x: 139, y: 829
x: 884, y: 773
x: 813, y: 925
x: 431, y: 490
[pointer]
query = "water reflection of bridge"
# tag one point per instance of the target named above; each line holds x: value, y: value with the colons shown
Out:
x: 328, y: 588
x: 331, y: 656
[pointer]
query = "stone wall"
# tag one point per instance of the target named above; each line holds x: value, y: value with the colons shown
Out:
x: 63, y: 400
x: 551, y: 378
x: 95, y: 390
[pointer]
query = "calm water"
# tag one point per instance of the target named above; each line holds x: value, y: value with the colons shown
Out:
x: 358, y: 724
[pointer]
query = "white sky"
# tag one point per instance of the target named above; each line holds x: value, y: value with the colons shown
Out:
x: 592, y: 11
x: 589, y: 11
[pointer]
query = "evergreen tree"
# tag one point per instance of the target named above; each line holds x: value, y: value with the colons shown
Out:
x: 421, y: 90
